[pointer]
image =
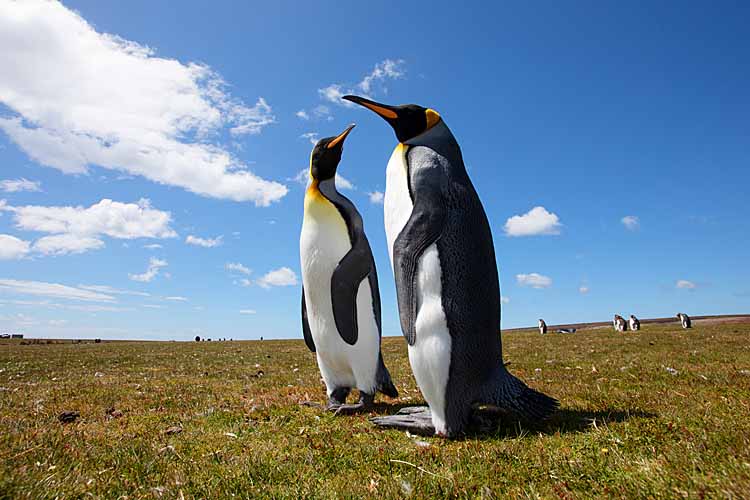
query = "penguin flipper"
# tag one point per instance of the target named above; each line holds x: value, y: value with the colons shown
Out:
x: 424, y: 227
x: 349, y: 273
x: 306, y: 326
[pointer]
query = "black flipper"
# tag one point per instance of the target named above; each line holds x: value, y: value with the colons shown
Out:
x: 426, y: 179
x: 306, y: 326
x: 355, y: 266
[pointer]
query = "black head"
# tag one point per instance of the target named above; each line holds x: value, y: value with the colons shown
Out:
x: 326, y: 155
x: 408, y: 120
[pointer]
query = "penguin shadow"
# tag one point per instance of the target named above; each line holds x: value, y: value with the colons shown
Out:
x: 495, y: 425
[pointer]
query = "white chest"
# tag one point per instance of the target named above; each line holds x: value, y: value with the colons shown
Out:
x: 397, y: 202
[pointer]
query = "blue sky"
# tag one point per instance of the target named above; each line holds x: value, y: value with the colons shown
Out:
x: 147, y: 149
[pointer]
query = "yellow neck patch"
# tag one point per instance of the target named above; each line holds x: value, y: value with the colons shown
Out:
x: 433, y: 117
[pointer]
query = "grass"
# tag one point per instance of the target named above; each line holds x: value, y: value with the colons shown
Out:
x: 628, y: 427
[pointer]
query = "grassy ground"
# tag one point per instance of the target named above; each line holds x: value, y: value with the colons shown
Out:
x: 629, y: 427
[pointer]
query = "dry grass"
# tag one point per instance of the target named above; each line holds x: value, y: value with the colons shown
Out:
x: 628, y: 427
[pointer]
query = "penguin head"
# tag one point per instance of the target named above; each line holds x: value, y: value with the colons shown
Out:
x: 326, y: 156
x: 408, y: 120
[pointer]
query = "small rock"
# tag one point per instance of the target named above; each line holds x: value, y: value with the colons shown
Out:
x: 98, y: 374
x: 230, y: 434
x: 68, y: 417
x: 671, y: 370
x: 175, y: 429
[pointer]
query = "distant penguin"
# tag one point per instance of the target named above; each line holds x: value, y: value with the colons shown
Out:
x: 634, y: 323
x: 684, y: 320
x: 447, y: 287
x: 542, y: 327
x: 340, y: 295
x: 619, y: 323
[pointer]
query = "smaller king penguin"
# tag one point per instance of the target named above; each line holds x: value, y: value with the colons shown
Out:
x: 340, y: 295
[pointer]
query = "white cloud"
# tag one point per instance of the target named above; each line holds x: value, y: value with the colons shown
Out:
x: 63, y: 244
x: 237, y: 267
x: 686, y: 285
x: 376, y: 197
x: 243, y: 282
x: 302, y: 115
x: 110, y: 218
x: 55, y: 290
x: 176, y: 298
x: 153, y: 246
x: 204, y: 242
x: 84, y: 98
x: 17, y: 185
x: 631, y: 222
x: 154, y: 265
x: 534, y: 222
x: 278, y: 277
x: 313, y: 137
x: 303, y: 178
x: 583, y: 289
x: 389, y: 69
x: 504, y: 299
x: 12, y: 247
x: 247, y: 311
x: 111, y: 290
x: 153, y: 306
x: 534, y: 280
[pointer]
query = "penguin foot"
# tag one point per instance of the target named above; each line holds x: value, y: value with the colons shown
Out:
x: 415, y: 419
x: 337, y: 398
x: 364, y: 404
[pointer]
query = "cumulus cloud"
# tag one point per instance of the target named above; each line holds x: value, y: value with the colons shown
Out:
x: 278, y: 277
x: 631, y: 222
x: 204, y: 242
x: 534, y: 280
x: 153, y: 246
x: 80, y: 98
x: 536, y: 221
x: 238, y: 268
x: 154, y: 265
x: 63, y: 244
x: 54, y: 290
x: 110, y: 218
x: 302, y: 115
x: 376, y: 197
x: 372, y: 83
x: 686, y: 285
x: 584, y: 289
x: 18, y: 185
x: 303, y: 178
x: 12, y: 248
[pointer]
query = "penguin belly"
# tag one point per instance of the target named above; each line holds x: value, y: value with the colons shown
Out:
x: 430, y: 356
x: 323, y: 243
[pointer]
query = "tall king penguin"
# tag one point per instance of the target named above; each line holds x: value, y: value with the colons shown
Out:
x: 447, y: 286
x: 340, y: 295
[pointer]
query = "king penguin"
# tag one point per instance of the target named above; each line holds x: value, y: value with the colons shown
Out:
x: 447, y: 285
x: 340, y: 295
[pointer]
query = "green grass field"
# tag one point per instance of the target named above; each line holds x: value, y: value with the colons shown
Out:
x: 628, y: 427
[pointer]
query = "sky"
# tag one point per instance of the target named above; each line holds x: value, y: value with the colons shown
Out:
x: 153, y: 155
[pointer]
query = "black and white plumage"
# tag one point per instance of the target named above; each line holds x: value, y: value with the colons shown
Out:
x: 446, y: 278
x: 619, y: 323
x: 684, y: 320
x: 542, y: 327
x: 634, y: 323
x: 340, y: 295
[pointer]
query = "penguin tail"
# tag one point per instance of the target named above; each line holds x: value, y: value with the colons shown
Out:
x: 384, y: 382
x: 514, y: 395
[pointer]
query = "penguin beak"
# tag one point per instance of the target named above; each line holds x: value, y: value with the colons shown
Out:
x: 385, y: 111
x: 340, y: 138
